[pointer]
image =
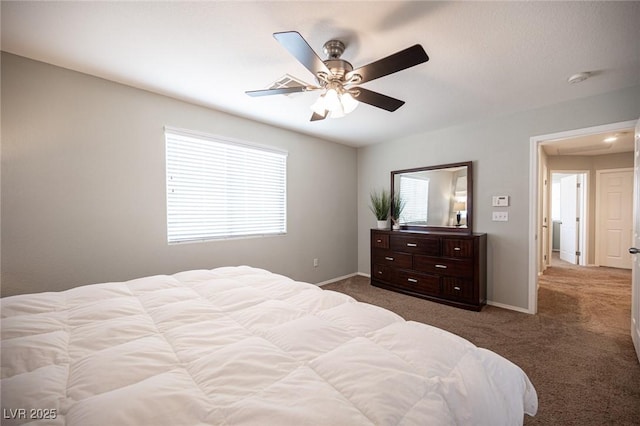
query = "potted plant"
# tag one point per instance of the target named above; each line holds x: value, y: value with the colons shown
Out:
x: 397, y: 206
x: 381, y: 206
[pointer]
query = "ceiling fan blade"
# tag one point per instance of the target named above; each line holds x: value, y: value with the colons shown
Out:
x: 315, y: 116
x: 280, y: 91
x: 300, y: 49
x: 399, y: 61
x: 377, y: 99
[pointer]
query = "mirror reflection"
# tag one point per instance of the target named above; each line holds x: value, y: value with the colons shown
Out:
x: 433, y: 197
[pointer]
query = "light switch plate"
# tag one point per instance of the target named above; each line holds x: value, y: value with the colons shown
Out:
x: 500, y: 201
x: 500, y: 216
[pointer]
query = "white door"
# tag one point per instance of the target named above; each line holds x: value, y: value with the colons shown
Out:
x: 615, y: 194
x: 568, y: 215
x: 635, y: 272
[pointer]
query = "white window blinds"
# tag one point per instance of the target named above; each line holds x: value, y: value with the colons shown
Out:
x: 416, y: 193
x: 218, y: 188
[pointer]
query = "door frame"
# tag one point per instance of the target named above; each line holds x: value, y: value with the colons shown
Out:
x: 635, y: 275
x: 546, y: 220
x: 599, y: 211
x: 535, y: 244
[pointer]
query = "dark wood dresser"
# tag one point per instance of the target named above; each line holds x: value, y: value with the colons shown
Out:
x: 443, y: 267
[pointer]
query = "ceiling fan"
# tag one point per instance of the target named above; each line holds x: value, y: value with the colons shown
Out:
x: 337, y: 78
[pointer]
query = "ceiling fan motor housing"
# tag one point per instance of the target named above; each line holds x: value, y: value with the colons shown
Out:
x: 333, y: 49
x: 338, y: 67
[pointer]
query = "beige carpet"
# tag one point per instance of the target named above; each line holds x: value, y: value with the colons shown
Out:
x: 577, y: 350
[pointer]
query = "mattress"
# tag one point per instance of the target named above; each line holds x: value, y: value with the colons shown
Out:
x: 240, y: 345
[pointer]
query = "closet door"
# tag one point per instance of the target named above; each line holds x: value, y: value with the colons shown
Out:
x: 615, y: 224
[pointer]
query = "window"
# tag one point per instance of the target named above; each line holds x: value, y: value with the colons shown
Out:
x: 219, y: 188
x: 416, y: 193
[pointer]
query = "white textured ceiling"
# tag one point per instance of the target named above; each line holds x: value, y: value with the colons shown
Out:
x: 486, y: 58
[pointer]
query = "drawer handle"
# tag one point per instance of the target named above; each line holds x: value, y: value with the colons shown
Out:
x: 412, y: 245
x: 441, y: 266
x: 379, y: 272
x: 378, y: 241
x: 456, y: 288
x: 412, y: 280
x: 456, y: 248
x: 389, y: 259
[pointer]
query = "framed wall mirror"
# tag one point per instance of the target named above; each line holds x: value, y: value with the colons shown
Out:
x: 435, y: 198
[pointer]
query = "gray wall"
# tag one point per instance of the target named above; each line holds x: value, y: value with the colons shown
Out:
x: 83, y: 187
x: 83, y: 191
x: 499, y: 148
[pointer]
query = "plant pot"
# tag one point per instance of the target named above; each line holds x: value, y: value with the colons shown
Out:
x: 382, y: 224
x: 395, y: 227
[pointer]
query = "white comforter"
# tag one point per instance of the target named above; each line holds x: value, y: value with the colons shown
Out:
x: 240, y: 345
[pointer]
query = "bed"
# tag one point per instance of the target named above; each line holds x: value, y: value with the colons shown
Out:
x: 240, y: 345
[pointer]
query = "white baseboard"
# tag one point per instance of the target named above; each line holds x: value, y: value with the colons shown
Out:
x: 489, y: 302
x: 333, y: 280
x: 510, y: 307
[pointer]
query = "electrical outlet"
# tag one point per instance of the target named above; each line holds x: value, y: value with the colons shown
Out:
x: 316, y: 263
x: 500, y: 217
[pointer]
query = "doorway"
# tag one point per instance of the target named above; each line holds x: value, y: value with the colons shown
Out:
x: 569, y: 233
x: 580, y: 144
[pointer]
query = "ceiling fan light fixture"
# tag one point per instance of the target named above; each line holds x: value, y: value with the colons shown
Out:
x: 348, y: 102
x: 319, y: 106
x: 335, y: 103
x: 332, y: 101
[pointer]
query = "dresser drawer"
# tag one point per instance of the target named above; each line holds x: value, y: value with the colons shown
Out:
x: 442, y: 266
x: 390, y: 258
x: 413, y: 244
x: 457, y: 248
x: 383, y: 273
x: 455, y: 289
x: 420, y: 283
x: 379, y: 240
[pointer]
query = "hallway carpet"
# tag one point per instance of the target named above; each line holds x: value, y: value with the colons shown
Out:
x: 577, y: 350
